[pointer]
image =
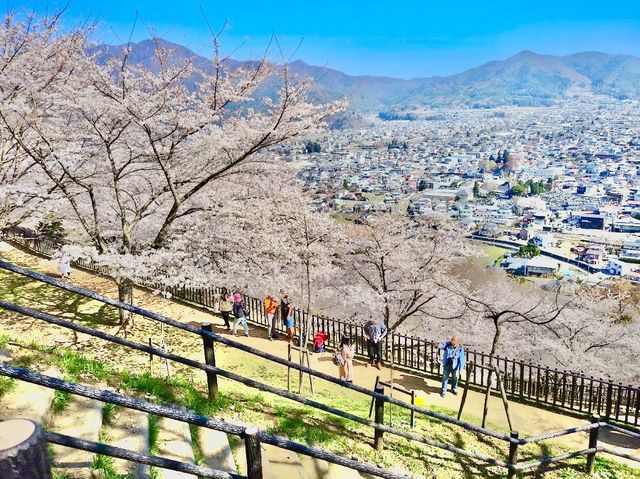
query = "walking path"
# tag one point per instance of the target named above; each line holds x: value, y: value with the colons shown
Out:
x: 526, y: 419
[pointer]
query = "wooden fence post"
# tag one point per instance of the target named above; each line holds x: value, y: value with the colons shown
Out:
x: 412, y: 422
x: 470, y: 368
x: 593, y: 443
x: 513, y: 455
x: 253, y: 452
x: 23, y: 450
x: 609, y: 401
x: 210, y: 360
x: 379, y: 418
x: 503, y: 393
x: 289, y: 367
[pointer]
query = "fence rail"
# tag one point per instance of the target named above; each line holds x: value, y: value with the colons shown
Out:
x: 523, y: 381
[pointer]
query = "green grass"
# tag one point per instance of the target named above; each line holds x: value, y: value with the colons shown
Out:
x: 6, y: 385
x: 109, y: 411
x: 295, y: 424
x: 76, y: 365
x: 154, y: 431
x: 201, y: 404
x: 198, y: 455
x: 60, y: 475
x: 60, y: 401
x: 146, y: 384
x: 490, y: 253
x: 604, y: 469
x: 106, y: 463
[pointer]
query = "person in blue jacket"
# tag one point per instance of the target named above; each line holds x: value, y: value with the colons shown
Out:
x: 453, y: 361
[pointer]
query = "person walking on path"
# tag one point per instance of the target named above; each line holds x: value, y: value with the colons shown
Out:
x: 453, y: 361
x: 226, y: 308
x: 346, y: 351
x: 64, y: 264
x: 271, y: 308
x: 284, y: 306
x: 289, y: 322
x: 241, y: 313
x: 375, y: 332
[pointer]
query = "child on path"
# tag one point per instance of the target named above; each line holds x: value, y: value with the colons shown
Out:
x: 64, y: 264
x: 241, y: 313
x: 319, y: 341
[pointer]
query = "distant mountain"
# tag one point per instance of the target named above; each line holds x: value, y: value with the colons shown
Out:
x: 525, y: 79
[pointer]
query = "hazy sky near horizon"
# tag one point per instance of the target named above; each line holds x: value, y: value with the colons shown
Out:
x: 403, y: 38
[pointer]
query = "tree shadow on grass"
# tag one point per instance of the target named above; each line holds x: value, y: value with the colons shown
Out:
x: 473, y: 468
x: 297, y: 424
x: 541, y: 471
x: 58, y: 302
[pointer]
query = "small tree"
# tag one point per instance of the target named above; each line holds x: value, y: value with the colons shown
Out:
x: 511, y: 163
x: 397, y: 263
x: 548, y: 185
x: 422, y: 185
x: 519, y: 189
x: 476, y: 189
x: 312, y: 147
x: 501, y: 304
x: 528, y: 251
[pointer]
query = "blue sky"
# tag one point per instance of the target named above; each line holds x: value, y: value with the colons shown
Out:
x: 401, y: 38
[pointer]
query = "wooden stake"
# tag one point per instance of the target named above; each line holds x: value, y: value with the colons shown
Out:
x: 23, y: 450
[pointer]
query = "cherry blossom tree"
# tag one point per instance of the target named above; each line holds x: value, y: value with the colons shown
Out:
x: 401, y: 262
x: 596, y: 330
x: 398, y: 263
x: 21, y: 192
x: 134, y: 151
x: 502, y: 303
x: 34, y: 58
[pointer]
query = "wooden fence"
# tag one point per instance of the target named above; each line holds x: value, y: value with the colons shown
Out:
x: 523, y: 381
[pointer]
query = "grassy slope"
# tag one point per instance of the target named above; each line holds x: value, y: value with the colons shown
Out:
x: 75, y: 357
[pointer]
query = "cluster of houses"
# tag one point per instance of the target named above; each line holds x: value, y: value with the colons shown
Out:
x: 587, y: 159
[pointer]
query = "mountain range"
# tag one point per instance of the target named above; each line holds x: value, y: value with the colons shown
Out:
x: 525, y: 79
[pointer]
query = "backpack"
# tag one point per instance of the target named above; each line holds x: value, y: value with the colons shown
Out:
x: 338, y: 359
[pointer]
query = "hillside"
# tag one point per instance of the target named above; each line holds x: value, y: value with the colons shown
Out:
x: 525, y: 79
x: 90, y: 360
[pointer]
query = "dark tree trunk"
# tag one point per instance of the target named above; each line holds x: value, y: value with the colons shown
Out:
x: 125, y: 294
x: 494, y: 348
